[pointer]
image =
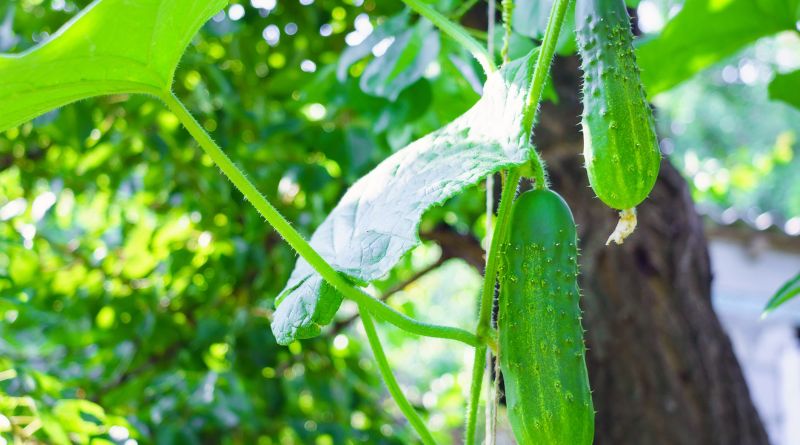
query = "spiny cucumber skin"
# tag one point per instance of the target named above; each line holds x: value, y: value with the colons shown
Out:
x: 542, y: 354
x: 620, y: 143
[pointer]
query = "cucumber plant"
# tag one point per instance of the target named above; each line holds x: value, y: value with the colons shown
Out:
x: 533, y: 245
x: 620, y: 145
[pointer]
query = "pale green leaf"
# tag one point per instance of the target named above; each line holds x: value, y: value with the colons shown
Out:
x: 705, y: 32
x: 376, y: 221
x: 111, y: 47
x: 530, y: 19
x: 386, y: 30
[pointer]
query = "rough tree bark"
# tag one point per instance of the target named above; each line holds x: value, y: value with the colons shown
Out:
x: 662, y: 369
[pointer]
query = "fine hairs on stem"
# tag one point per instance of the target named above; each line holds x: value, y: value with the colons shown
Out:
x: 544, y: 59
x: 300, y: 245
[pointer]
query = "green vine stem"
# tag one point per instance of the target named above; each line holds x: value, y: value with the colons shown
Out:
x: 538, y: 172
x: 485, y: 311
x: 543, y: 62
x: 299, y: 244
x: 478, y: 362
x: 508, y: 13
x: 463, y: 9
x: 540, y: 73
x: 456, y: 32
x: 391, y: 383
x: 491, y: 12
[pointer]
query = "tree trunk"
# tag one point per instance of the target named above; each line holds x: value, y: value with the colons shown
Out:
x: 662, y: 369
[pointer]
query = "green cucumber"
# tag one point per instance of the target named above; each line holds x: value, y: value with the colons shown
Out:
x: 542, y: 355
x: 620, y: 143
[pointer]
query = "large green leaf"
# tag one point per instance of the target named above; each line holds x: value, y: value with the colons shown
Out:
x: 376, y: 221
x: 404, y: 62
x: 789, y: 290
x: 786, y: 87
x: 706, y: 31
x: 112, y: 46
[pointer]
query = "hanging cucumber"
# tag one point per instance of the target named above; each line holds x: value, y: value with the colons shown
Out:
x: 541, y: 339
x: 620, y: 145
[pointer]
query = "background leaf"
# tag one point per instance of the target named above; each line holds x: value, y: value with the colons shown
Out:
x: 375, y: 222
x: 352, y: 54
x: 403, y: 63
x: 786, y: 88
x: 788, y: 291
x: 530, y: 19
x: 706, y: 31
x: 112, y: 46
x: 185, y: 354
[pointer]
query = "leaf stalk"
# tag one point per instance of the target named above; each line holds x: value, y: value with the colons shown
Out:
x: 299, y: 244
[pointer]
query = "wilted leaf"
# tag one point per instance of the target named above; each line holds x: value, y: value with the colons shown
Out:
x: 375, y: 223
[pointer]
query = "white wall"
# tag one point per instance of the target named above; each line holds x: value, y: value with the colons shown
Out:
x: 768, y: 350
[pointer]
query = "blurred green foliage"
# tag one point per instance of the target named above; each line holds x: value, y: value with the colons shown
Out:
x: 738, y: 149
x: 732, y: 123
x: 136, y: 285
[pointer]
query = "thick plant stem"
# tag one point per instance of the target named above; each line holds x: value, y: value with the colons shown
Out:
x: 491, y: 404
x: 456, y: 32
x: 546, y: 52
x: 299, y: 244
x: 492, y: 257
x: 391, y: 383
x: 478, y: 363
x: 540, y: 73
x: 508, y: 11
x: 485, y: 311
x: 491, y: 12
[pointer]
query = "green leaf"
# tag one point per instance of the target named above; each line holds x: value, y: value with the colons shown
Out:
x: 375, y: 222
x: 455, y: 32
x: 788, y: 291
x: 388, y: 29
x: 705, y: 32
x: 786, y: 87
x: 111, y: 47
x: 403, y: 63
x: 530, y: 19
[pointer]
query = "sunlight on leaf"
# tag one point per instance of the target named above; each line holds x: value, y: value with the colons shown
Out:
x: 376, y: 221
x: 706, y: 31
x: 111, y: 47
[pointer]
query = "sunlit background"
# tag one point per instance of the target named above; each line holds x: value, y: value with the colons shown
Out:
x: 136, y: 285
